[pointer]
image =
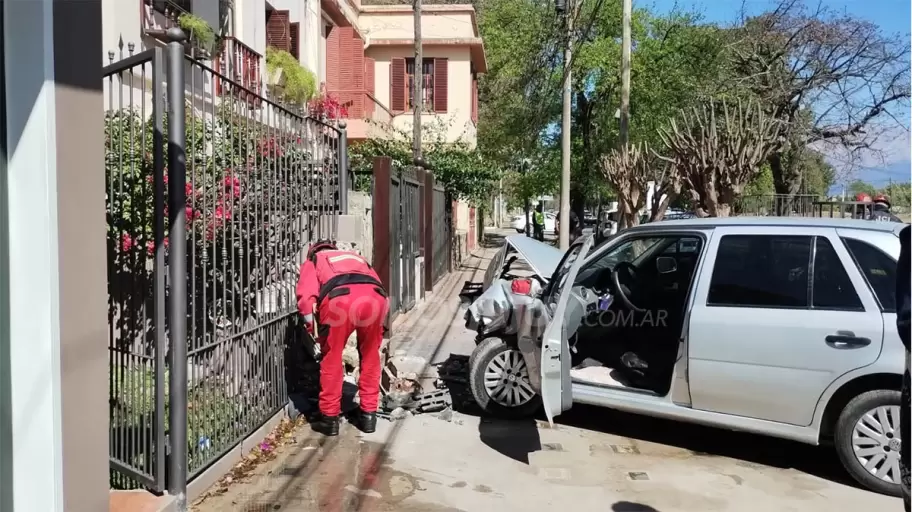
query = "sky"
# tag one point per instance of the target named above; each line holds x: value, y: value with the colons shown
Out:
x: 893, y: 16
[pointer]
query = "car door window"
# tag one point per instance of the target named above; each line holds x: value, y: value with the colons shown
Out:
x: 879, y: 270
x: 761, y: 271
x: 833, y: 289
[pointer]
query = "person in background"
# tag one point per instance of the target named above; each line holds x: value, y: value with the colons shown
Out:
x: 339, y: 293
x: 881, y: 210
x: 862, y: 211
x: 538, y: 223
x: 903, y: 325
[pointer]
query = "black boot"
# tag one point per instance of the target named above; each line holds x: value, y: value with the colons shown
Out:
x: 366, y: 421
x: 326, y: 425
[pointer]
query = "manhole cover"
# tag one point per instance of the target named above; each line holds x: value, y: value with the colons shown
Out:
x: 638, y: 475
x: 630, y: 449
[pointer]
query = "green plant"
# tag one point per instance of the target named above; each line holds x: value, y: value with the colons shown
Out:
x: 199, y: 30
x: 299, y: 85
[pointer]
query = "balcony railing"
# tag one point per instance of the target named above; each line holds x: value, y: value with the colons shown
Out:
x: 160, y: 15
x: 241, y: 64
x: 362, y: 105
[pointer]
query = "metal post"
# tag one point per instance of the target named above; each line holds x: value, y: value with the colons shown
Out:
x: 159, y: 268
x: 343, y: 169
x: 177, y: 266
x: 625, y: 74
x: 418, y: 85
x: 564, y: 236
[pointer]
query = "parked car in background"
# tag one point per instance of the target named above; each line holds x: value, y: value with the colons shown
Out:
x: 519, y: 222
x: 775, y: 326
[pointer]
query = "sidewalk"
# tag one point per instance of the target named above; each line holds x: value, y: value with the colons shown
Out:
x: 436, y: 327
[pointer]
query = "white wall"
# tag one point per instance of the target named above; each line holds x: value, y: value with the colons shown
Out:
x: 34, y: 325
x: 251, y: 23
x: 120, y: 19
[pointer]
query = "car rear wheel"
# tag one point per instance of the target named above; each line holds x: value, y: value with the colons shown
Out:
x: 868, y: 440
x: 499, y: 380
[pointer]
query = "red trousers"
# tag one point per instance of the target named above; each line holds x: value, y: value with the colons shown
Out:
x: 362, y: 310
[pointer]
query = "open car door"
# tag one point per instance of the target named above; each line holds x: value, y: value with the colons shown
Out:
x: 555, y: 365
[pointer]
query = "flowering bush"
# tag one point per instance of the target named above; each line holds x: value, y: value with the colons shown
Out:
x: 327, y: 106
x: 253, y: 197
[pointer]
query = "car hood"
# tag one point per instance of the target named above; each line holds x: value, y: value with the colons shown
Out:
x: 543, y: 258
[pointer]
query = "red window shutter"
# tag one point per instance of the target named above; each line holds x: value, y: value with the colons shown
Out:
x: 278, y: 33
x: 333, y: 60
x: 346, y: 44
x: 357, y: 56
x: 441, y: 78
x: 370, y: 66
x: 294, y: 32
x: 397, y: 85
x: 475, y: 99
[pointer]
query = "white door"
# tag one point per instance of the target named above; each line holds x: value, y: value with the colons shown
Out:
x: 777, y: 318
x: 555, y: 347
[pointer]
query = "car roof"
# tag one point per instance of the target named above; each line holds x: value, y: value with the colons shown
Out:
x: 776, y: 222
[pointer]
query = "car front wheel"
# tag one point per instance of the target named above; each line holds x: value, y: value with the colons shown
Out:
x: 868, y: 440
x: 499, y: 380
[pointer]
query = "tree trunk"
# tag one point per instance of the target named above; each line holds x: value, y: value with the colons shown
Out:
x: 786, y: 181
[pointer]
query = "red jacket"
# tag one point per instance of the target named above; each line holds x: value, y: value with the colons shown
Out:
x: 332, y: 269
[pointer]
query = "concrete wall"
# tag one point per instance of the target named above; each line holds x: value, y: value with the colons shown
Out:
x: 356, y: 229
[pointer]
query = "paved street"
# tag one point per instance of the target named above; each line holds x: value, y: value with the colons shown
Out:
x: 593, y: 460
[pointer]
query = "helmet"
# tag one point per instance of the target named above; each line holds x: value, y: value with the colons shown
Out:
x: 318, y: 246
x: 861, y: 197
x: 881, y: 198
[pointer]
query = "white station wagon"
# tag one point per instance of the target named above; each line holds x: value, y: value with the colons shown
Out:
x: 778, y: 326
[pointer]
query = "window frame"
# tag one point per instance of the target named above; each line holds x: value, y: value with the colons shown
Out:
x: 845, y: 241
x: 427, y: 92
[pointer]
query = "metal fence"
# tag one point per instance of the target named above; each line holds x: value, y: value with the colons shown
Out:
x: 442, y: 221
x: 225, y: 217
x: 779, y: 205
x: 409, y: 233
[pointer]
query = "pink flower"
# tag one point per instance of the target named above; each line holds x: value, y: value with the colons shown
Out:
x: 126, y: 242
x: 150, y: 248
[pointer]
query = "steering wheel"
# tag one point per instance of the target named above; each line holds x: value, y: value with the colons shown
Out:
x: 629, y: 273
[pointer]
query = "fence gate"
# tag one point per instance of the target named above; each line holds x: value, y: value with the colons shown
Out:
x: 395, y: 257
x: 409, y: 196
x: 442, y: 232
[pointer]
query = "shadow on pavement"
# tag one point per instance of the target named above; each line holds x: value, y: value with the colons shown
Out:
x: 819, y: 461
x: 628, y: 506
x: 514, y: 439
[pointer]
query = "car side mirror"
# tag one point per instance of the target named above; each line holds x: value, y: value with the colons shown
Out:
x: 666, y: 264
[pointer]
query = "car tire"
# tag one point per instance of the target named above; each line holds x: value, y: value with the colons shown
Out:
x: 486, y: 353
x: 845, y: 438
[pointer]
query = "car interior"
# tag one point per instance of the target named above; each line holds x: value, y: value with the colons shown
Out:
x: 627, y: 310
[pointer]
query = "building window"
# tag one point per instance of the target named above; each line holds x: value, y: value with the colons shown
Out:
x: 172, y: 7
x: 427, y: 80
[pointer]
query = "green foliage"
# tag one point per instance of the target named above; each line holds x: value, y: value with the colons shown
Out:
x: 460, y: 168
x: 299, y: 85
x: 199, y: 31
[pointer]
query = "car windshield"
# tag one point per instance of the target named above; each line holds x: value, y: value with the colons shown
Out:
x: 630, y: 251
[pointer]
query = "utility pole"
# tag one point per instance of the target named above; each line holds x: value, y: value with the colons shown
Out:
x: 625, y: 75
x: 624, y: 111
x: 564, y: 236
x: 418, y: 82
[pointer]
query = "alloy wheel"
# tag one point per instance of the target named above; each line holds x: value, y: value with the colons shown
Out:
x: 506, y: 379
x: 877, y: 443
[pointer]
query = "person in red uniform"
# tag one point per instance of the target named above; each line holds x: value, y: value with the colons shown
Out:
x: 347, y: 296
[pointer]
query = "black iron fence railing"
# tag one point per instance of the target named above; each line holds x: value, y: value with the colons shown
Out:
x: 211, y: 202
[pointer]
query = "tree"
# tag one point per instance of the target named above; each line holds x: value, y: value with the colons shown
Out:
x: 631, y: 170
x: 829, y: 78
x: 718, y: 150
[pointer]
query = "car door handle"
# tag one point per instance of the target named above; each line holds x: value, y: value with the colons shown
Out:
x: 847, y: 340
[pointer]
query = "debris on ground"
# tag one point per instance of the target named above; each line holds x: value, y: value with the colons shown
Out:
x: 283, y: 434
x: 414, y: 387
